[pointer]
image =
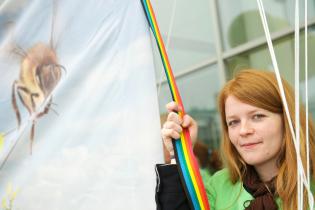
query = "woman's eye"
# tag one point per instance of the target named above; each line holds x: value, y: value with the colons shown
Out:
x: 258, y: 116
x: 232, y: 122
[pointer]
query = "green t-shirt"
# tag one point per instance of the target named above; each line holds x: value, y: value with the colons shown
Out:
x: 205, y: 175
x: 223, y: 195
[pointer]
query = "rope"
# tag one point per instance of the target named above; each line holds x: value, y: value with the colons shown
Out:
x: 168, y: 40
x: 306, y: 93
x: 301, y: 174
x: 297, y: 99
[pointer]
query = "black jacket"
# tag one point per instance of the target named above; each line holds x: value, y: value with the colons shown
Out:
x: 169, y: 193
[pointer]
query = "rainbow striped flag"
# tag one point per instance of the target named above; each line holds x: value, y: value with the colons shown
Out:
x: 187, y: 164
x: 1, y: 140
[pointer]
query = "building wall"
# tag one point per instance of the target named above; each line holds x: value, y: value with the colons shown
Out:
x: 209, y: 40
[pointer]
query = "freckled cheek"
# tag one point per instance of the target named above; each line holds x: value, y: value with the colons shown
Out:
x: 267, y: 152
x: 233, y: 137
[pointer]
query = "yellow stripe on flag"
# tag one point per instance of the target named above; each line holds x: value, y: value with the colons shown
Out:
x: 1, y: 141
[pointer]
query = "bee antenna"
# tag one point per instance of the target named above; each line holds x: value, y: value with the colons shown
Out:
x: 52, y: 25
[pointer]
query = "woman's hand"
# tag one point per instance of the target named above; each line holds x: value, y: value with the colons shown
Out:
x: 174, y: 125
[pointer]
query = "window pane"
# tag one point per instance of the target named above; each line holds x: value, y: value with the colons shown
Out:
x: 199, y: 91
x: 191, y: 37
x: 240, y: 20
x: 260, y: 58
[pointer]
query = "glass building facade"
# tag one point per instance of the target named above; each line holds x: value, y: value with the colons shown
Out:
x: 209, y: 40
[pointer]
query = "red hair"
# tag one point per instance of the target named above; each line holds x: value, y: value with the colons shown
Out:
x: 260, y: 89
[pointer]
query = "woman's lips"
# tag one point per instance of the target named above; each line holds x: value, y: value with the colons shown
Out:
x: 250, y: 145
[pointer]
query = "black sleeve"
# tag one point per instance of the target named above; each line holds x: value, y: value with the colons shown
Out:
x: 169, y: 193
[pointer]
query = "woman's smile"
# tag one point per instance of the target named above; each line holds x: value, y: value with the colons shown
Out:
x: 256, y: 133
x: 250, y: 145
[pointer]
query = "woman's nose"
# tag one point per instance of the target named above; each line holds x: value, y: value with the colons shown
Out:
x: 246, y: 128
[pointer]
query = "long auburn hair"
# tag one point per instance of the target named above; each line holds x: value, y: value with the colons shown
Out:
x: 260, y: 89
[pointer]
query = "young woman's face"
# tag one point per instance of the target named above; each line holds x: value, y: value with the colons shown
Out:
x: 256, y: 133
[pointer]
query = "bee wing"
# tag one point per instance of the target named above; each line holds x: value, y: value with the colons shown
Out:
x: 48, y: 77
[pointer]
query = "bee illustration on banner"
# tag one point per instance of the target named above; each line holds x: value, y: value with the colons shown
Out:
x: 40, y: 72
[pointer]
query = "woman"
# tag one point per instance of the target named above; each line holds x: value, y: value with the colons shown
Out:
x: 257, y: 147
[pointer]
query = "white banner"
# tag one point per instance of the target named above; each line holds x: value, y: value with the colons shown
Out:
x: 81, y: 74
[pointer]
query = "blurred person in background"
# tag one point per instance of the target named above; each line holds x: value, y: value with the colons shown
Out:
x: 208, y: 159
